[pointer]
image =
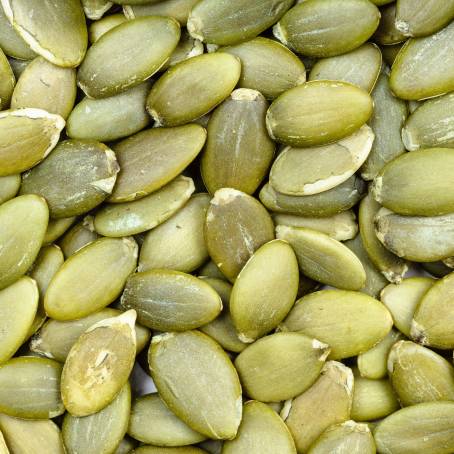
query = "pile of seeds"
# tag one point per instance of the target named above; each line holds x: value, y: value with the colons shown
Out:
x: 226, y: 226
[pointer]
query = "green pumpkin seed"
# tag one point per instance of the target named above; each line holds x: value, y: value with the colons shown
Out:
x: 422, y: 69
x: 56, y: 228
x: 387, y: 34
x: 79, y: 236
x: 98, y: 365
x: 3, y: 448
x: 102, y: 26
x: 399, y: 184
x: 267, y: 66
x: 386, y: 121
x: 178, y: 244
x: 280, y: 366
x: 110, y: 118
x: 290, y: 118
x: 152, y: 158
x: 433, y: 316
x: 211, y: 406
x: 210, y: 269
x: 159, y: 450
x: 236, y: 226
x: 373, y: 363
x: 328, y: 401
x: 325, y: 28
x: 426, y: 427
x: 153, y: 423
x: 18, y: 66
x: 126, y: 446
x: 373, y: 399
x: 309, y: 171
x: 168, y: 300
x: 111, y: 260
x: 23, y: 222
x: 188, y: 47
x: 30, y: 388
x: 11, y: 42
x: 111, y: 68
x: 431, y: 124
x: 359, y: 67
x: 9, y: 187
x: 31, y: 437
x: 422, y: 18
x: 95, y: 9
x: 130, y: 218
x: 75, y: 178
x: 61, y: 40
x: 27, y: 136
x: 391, y: 266
x: 230, y: 22
x: 212, y: 446
x: 238, y: 151
x: 55, y: 339
x: 361, y: 321
x: 389, y: 53
x: 18, y: 305
x: 261, y: 432
x: 45, y: 86
x: 7, y: 81
x: 101, y: 432
x: 192, y: 88
x: 323, y: 258
x: 328, y: 203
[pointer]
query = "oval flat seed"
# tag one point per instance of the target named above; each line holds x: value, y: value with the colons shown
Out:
x: 110, y: 67
x: 100, y: 432
x: 30, y: 388
x: 324, y: 259
x: 422, y: 68
x: 280, y: 366
x: 238, y: 151
x: 373, y: 399
x: 3, y: 448
x: 387, y: 34
x: 417, y: 184
x: 419, y: 374
x: 7, y: 81
x: 267, y: 66
x: 210, y: 269
x: 309, y: 171
x: 110, y: 118
x: 389, y: 53
x: 345, y: 438
x: 428, y: 427
x: 422, y: 18
x: 23, y: 222
x: 55, y: 339
x: 290, y: 118
x: 75, y: 178
x: 102, y: 26
x: 27, y: 136
x: 229, y: 22
x: 18, y: 305
x: 63, y: 40
x: 45, y: 86
x: 431, y: 124
x: 433, y: 316
x: 328, y: 401
x: 95, y: 9
x: 159, y: 450
x: 130, y: 218
x: 192, y: 88
x: 264, y: 290
x: 236, y: 226
x: 152, y: 158
x: 211, y: 406
x: 56, y: 228
x: 98, y: 365
x: 359, y: 67
x: 167, y: 300
x: 373, y: 363
x: 152, y: 422
x: 178, y: 244
x: 79, y: 236
x: 111, y: 260
x: 391, y: 266
x: 31, y: 436
x: 403, y: 299
x: 126, y: 446
x: 261, y: 431
x: 9, y: 187
x: 386, y: 122
x: 328, y: 203
x: 324, y: 28
x: 361, y: 321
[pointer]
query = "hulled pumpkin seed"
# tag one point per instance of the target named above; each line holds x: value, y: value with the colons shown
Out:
x: 102, y: 26
x: 197, y: 381
x: 159, y: 450
x: 98, y: 365
x: 9, y: 187
x: 126, y: 446
x: 18, y: 66
x: 210, y: 269
x: 7, y: 81
x: 73, y: 293
x: 361, y: 321
x: 290, y: 118
x: 95, y: 9
x: 387, y: 34
x: 389, y: 53
x: 79, y: 236
x: 56, y: 228
x: 188, y: 47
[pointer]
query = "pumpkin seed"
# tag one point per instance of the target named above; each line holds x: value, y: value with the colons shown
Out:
x: 9, y: 187
x: 79, y: 236
x: 56, y: 228
x: 188, y: 47
x: 159, y: 450
x: 95, y: 9
x: 387, y: 34
x: 102, y: 26
x: 7, y: 81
